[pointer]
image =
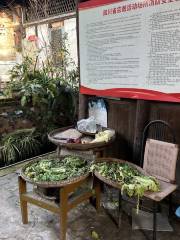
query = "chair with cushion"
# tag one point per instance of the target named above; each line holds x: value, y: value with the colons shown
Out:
x: 159, y: 153
x: 158, y: 130
x: 160, y: 161
x: 158, y: 158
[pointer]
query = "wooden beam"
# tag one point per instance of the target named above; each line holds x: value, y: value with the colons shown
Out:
x: 50, y: 19
x: 142, y: 118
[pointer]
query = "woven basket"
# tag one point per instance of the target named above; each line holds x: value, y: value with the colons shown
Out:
x: 76, y: 146
x: 114, y: 160
x: 54, y: 184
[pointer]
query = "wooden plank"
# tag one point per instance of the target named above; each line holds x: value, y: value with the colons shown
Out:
x: 121, y: 117
x: 80, y: 199
x: 34, y: 199
x: 83, y: 106
x: 23, y: 204
x: 63, y: 212
x: 141, y: 119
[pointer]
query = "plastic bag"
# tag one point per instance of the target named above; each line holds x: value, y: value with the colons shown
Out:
x: 98, y: 110
x: 87, y: 125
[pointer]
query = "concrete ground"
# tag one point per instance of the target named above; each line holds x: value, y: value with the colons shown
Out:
x: 44, y: 225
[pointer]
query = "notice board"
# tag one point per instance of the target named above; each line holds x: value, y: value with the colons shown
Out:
x: 130, y: 49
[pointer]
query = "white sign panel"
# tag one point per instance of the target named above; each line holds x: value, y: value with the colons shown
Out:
x: 131, y: 49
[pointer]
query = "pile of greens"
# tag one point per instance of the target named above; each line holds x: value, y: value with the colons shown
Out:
x: 57, y: 169
x: 133, y: 182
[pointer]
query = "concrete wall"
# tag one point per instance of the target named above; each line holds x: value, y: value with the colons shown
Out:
x: 70, y: 29
x: 42, y: 45
x: 10, y: 33
x: 29, y: 47
x: 44, y: 41
x: 10, y: 44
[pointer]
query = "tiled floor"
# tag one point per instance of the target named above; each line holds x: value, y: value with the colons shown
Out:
x: 82, y: 221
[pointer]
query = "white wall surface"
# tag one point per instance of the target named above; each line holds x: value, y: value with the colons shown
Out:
x: 70, y: 29
x: 43, y: 42
x: 44, y: 39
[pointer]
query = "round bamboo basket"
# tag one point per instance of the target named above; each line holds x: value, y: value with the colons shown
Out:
x: 52, y: 184
x: 77, y: 146
x: 114, y: 160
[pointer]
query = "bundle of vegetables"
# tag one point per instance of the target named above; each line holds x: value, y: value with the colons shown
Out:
x: 104, y: 136
x: 57, y: 169
x: 132, y: 182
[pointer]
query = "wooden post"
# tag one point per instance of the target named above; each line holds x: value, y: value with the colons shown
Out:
x: 83, y: 106
x: 63, y: 212
x: 83, y: 99
x: 23, y: 204
x: 142, y: 116
x: 97, y: 188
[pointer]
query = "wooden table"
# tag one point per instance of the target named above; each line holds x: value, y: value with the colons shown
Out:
x: 65, y: 191
x: 96, y: 148
x: 66, y: 202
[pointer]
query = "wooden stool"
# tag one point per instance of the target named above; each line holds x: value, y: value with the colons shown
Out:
x: 65, y: 204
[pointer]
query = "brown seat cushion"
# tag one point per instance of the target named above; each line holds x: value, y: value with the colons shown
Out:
x: 166, y: 189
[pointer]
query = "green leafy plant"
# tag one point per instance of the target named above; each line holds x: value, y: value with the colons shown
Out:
x: 132, y: 182
x: 48, y: 94
x: 48, y: 103
x: 19, y: 74
x: 19, y: 145
x: 57, y: 169
x: 95, y: 235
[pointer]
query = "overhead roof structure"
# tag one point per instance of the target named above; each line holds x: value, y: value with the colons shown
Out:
x: 10, y: 3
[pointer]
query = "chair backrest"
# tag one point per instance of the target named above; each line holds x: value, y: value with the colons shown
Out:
x: 158, y: 130
x: 160, y: 159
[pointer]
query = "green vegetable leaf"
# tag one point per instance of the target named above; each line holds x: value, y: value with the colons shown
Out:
x: 95, y: 235
x: 23, y: 101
